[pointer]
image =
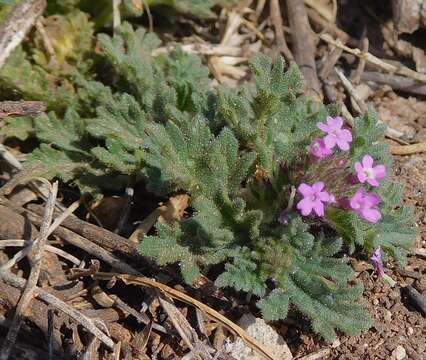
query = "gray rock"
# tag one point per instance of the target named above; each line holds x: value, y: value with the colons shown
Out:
x: 262, y: 332
x: 399, y: 353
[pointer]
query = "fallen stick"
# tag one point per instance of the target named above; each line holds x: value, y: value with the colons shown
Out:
x: 361, y: 65
x: 31, y: 284
x: 304, y: 47
x: 396, y: 82
x: 401, y: 69
x: 408, y: 149
x: 359, y: 104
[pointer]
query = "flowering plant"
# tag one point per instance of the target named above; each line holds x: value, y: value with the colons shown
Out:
x: 280, y: 188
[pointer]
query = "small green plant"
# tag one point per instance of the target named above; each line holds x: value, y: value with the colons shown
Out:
x: 280, y: 189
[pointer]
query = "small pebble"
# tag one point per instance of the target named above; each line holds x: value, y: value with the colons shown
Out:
x: 335, y: 344
x: 375, y: 302
x: 410, y: 331
x: 387, y: 316
x: 394, y: 294
x: 399, y: 353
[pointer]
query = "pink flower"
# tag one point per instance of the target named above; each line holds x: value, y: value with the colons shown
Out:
x: 313, y: 198
x: 376, y: 259
x: 319, y: 150
x: 335, y: 134
x: 365, y: 171
x: 364, y: 204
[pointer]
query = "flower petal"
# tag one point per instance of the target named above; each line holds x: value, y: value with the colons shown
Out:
x: 305, y: 206
x: 317, y: 187
x: 342, y: 144
x: 323, y: 127
x: 335, y: 122
x: 371, y: 215
x: 319, y: 208
x: 361, y: 177
x: 373, y: 182
x: 379, y: 171
x: 330, y: 141
x: 324, y: 196
x: 345, y: 134
x: 305, y: 189
x: 358, y: 167
x: 355, y: 200
x: 372, y: 199
x: 367, y: 161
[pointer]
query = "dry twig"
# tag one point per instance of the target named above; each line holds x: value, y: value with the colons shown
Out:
x: 396, y: 82
x: 358, y: 103
x: 361, y: 65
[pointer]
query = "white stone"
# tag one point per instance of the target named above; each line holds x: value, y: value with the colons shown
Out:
x: 262, y: 332
x: 399, y: 353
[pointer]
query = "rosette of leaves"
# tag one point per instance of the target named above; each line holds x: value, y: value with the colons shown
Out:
x: 236, y: 153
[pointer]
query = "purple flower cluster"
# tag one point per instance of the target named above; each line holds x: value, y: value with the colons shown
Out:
x: 316, y: 197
